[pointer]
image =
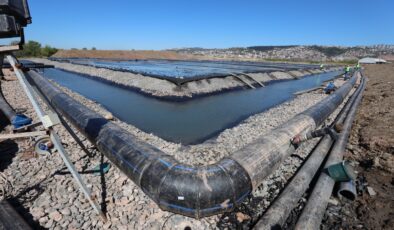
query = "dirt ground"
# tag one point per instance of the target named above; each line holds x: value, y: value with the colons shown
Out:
x: 371, y: 148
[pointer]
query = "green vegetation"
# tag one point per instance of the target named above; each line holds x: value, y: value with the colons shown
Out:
x: 34, y: 49
x: 346, y: 62
x: 48, y: 51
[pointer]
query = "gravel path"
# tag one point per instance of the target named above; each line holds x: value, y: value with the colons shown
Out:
x: 162, y: 88
x: 46, y: 191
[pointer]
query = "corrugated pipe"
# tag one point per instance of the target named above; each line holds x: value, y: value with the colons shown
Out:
x: 277, y: 213
x: 180, y: 188
x: 314, y: 210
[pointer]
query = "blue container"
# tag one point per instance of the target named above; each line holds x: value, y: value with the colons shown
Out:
x: 20, y: 120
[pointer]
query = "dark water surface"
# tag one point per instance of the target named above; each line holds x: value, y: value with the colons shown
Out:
x: 187, y: 122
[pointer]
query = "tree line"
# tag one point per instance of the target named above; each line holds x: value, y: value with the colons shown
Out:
x: 35, y: 49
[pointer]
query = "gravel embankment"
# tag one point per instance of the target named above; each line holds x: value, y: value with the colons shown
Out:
x: 163, y: 88
x: 43, y: 188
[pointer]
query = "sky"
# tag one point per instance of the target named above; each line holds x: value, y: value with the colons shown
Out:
x: 165, y: 24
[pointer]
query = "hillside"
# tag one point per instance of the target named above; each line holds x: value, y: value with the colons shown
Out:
x: 292, y: 52
x: 281, y: 53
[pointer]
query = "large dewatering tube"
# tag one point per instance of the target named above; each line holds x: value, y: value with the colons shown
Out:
x: 189, y: 190
x: 184, y: 189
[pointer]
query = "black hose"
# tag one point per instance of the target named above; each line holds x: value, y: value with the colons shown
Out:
x: 16, y: 119
x: 6, y: 108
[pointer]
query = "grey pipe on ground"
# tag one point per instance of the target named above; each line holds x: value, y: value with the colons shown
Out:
x: 348, y: 190
x: 314, y: 210
x: 189, y: 190
x: 278, y: 212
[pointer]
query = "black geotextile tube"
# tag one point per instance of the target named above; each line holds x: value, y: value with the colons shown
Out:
x: 6, y: 108
x: 188, y: 190
x: 191, y: 191
x: 321, y: 111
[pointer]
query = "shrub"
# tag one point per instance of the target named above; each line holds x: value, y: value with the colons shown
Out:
x: 34, y: 49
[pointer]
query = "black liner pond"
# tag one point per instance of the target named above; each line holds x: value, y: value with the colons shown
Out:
x: 187, y: 122
x: 180, y: 72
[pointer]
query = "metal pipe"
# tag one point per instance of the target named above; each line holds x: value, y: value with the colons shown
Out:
x: 278, y: 212
x: 180, y: 188
x: 74, y: 172
x: 317, y: 203
x: 19, y: 74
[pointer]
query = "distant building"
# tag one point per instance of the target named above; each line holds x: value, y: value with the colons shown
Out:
x: 369, y: 60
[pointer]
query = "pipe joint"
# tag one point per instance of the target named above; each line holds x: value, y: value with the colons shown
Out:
x: 299, y: 138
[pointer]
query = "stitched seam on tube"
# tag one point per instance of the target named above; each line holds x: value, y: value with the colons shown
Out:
x: 162, y: 181
x: 231, y: 181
